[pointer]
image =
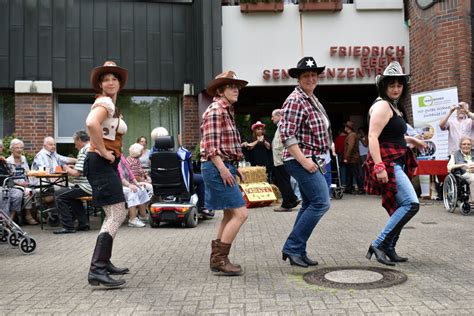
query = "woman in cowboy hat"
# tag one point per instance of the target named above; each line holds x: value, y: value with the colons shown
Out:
x: 106, y: 129
x: 306, y: 135
x: 220, y: 151
x: 260, y: 148
x: 390, y: 163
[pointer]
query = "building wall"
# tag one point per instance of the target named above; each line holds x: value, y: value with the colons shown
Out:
x: 62, y: 41
x: 441, y: 47
x: 190, y: 122
x: 34, y: 119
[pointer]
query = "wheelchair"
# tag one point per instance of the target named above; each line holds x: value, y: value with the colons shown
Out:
x: 172, y: 187
x: 456, y: 192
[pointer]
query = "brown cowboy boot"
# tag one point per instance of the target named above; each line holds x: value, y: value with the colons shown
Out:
x: 214, y: 247
x: 220, y: 262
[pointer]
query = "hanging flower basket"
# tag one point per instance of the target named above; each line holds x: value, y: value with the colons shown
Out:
x: 261, y: 7
x: 322, y: 5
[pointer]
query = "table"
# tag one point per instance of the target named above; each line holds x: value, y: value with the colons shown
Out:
x: 438, y: 168
x: 47, y: 181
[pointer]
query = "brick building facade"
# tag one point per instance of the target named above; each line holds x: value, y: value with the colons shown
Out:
x: 441, y: 47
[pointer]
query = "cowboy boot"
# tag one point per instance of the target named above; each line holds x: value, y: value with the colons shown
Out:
x: 112, y: 269
x: 214, y: 247
x: 98, y: 270
x: 221, y: 261
x: 392, y: 254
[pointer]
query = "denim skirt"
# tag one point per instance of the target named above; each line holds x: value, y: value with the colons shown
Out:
x: 104, y: 179
x: 218, y: 196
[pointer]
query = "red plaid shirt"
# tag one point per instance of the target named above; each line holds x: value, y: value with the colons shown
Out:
x: 219, y: 135
x: 389, y: 153
x: 303, y: 122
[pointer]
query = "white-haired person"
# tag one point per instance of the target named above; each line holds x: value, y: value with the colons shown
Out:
x: 461, y: 160
x: 135, y: 153
x: 19, y: 167
x: 136, y: 195
x: 183, y: 155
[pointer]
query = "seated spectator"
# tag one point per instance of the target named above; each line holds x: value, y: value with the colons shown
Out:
x: 18, y: 166
x: 145, y: 156
x: 184, y: 155
x: 135, y: 195
x: 48, y: 158
x: 67, y: 199
x: 10, y: 199
x: 461, y: 160
x: 135, y: 153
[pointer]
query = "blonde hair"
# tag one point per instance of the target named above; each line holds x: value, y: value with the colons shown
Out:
x: 136, y: 150
x: 157, y: 132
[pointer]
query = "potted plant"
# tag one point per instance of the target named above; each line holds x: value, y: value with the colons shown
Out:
x: 247, y: 6
x: 320, y: 5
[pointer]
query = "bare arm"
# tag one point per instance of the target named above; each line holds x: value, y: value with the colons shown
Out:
x: 380, y: 114
x: 93, y: 122
x: 444, y: 120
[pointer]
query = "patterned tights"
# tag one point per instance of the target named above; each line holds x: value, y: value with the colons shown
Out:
x: 114, y: 216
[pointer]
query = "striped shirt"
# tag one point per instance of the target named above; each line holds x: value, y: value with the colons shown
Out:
x: 219, y: 135
x: 137, y: 169
x: 304, y: 122
x: 81, y: 181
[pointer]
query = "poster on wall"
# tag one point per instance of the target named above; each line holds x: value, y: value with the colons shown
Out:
x: 428, y: 109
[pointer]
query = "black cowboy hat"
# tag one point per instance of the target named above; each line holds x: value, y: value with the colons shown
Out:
x: 305, y: 64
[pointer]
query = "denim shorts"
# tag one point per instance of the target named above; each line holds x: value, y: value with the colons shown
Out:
x: 104, y: 179
x: 218, y: 196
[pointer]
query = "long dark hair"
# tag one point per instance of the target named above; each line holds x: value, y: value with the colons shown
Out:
x: 383, y: 86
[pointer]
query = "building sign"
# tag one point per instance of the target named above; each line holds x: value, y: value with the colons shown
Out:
x: 372, y: 61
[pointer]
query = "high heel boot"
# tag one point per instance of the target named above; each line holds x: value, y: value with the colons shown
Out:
x: 100, y: 259
x: 394, y: 257
x: 294, y: 260
x: 379, y: 254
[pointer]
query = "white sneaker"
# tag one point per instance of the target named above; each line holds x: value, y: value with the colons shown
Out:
x: 136, y: 222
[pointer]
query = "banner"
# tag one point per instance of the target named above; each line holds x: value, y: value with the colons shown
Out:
x: 428, y: 109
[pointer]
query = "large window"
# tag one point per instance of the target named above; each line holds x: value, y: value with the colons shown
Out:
x: 7, y: 114
x: 141, y: 113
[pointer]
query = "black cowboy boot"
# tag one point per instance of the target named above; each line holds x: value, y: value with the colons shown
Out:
x: 379, y: 254
x: 392, y: 254
x: 113, y: 270
x: 100, y: 259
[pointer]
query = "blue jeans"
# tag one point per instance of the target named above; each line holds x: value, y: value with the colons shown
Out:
x: 328, y: 177
x: 315, y: 196
x: 407, y: 207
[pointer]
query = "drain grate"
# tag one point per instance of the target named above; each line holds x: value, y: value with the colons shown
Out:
x: 357, y: 278
x: 429, y: 223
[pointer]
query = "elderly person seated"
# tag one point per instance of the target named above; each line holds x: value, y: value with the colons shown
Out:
x: 135, y: 195
x: 135, y: 152
x: 10, y: 199
x: 19, y: 168
x: 198, y: 181
x: 461, y: 160
x: 48, y: 159
x: 69, y: 205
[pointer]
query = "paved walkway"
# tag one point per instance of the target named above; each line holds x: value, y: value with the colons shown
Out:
x: 170, y: 274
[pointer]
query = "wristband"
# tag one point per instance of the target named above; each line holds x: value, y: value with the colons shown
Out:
x: 379, y: 167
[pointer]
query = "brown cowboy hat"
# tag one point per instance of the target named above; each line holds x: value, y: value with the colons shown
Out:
x: 227, y: 77
x: 107, y: 68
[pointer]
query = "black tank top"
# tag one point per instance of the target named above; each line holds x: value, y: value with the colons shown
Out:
x: 394, y: 131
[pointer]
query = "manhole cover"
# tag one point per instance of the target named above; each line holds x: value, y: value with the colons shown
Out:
x: 359, y: 278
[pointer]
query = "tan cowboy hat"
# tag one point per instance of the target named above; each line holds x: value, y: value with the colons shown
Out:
x: 394, y: 69
x: 108, y: 67
x: 227, y: 77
